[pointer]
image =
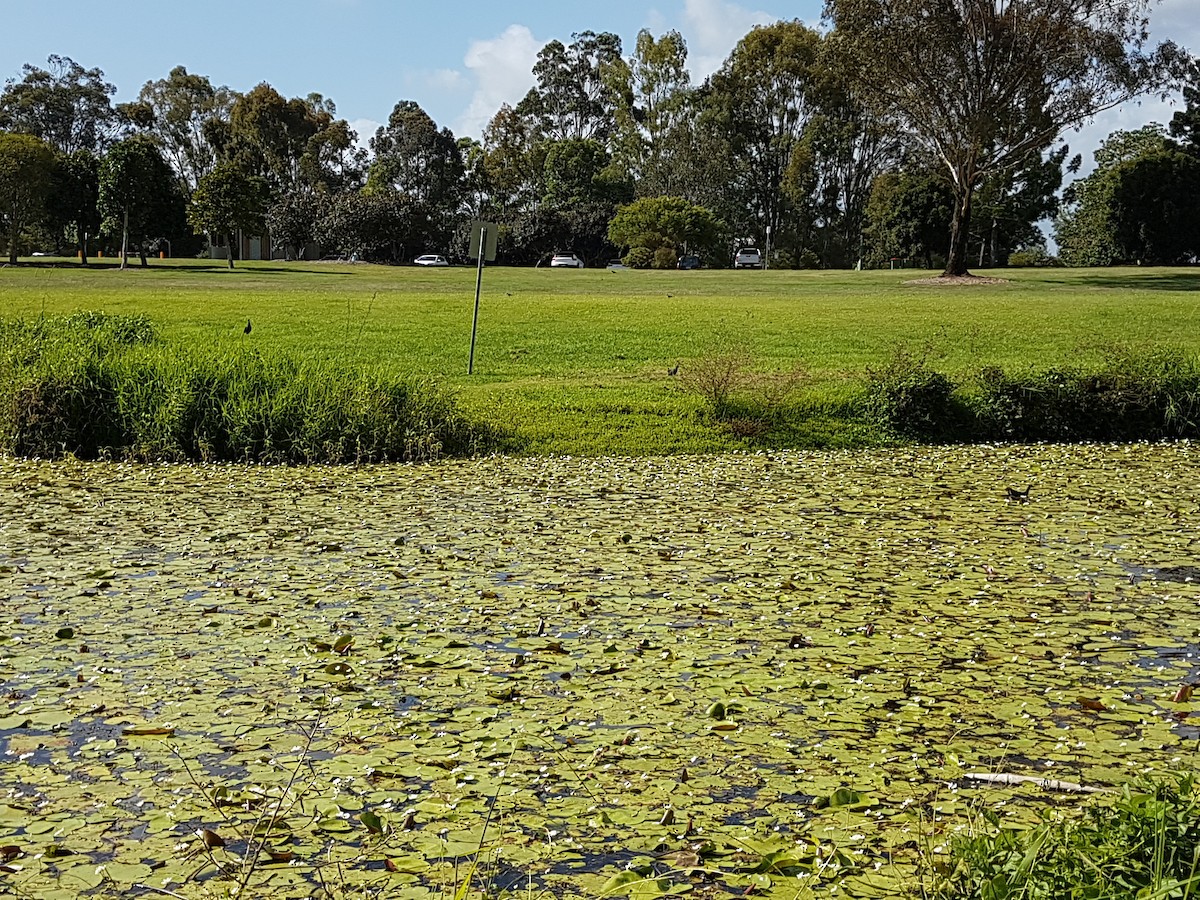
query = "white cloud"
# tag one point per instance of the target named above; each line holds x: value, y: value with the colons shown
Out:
x: 502, y: 68
x: 446, y: 80
x: 365, y: 129
x: 713, y: 28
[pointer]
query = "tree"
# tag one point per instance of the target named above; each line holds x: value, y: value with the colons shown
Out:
x: 1185, y: 124
x: 762, y: 100
x: 26, y: 177
x: 380, y: 226
x: 653, y: 89
x: 179, y: 107
x: 987, y: 85
x: 139, y: 194
x: 1084, y: 229
x: 1155, y: 207
x: 907, y: 218
x: 67, y: 106
x: 575, y: 94
x: 74, y: 203
x: 577, y: 171
x: 228, y: 200
x: 416, y: 158
x: 672, y: 222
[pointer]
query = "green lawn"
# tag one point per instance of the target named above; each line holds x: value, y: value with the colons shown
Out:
x: 576, y: 361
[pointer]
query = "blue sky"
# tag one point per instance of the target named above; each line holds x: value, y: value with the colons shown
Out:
x: 459, y: 60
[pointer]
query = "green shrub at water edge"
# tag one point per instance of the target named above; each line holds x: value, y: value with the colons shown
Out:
x: 1146, y: 845
x: 97, y: 386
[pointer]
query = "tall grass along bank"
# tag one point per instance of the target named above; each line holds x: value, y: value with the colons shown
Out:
x: 105, y: 386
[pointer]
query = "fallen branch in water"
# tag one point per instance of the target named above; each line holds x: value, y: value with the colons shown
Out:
x: 1049, y: 784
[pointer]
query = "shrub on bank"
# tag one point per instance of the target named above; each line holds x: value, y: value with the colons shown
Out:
x: 103, y: 386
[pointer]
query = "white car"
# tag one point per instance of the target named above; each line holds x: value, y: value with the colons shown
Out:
x: 565, y: 261
x: 617, y: 266
x: 430, y: 259
x: 748, y: 258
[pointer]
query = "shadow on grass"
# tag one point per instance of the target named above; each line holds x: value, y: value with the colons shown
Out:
x: 162, y: 265
x: 1182, y: 280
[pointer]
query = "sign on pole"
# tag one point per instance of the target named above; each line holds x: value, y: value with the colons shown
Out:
x: 489, y: 243
x: 483, y: 247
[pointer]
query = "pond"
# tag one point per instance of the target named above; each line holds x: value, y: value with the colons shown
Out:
x: 579, y: 677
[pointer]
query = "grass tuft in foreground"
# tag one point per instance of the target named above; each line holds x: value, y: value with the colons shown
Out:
x: 1144, y: 846
x: 103, y: 386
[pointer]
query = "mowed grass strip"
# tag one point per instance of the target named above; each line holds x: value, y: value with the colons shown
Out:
x: 577, y: 362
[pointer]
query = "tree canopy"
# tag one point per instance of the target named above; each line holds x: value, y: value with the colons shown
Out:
x: 986, y: 85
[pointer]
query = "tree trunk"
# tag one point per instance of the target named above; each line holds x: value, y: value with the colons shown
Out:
x: 960, y: 231
x: 12, y: 241
x: 83, y: 248
x: 125, y: 241
x: 142, y: 254
x: 230, y: 250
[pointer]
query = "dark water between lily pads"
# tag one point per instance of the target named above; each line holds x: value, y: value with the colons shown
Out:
x: 722, y: 672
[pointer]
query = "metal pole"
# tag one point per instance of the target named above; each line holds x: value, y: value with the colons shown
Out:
x: 478, y: 286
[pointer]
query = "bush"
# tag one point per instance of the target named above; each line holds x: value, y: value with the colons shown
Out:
x: 1033, y: 257
x: 101, y: 387
x: 665, y: 258
x: 1135, y: 396
x: 908, y: 397
x: 639, y: 258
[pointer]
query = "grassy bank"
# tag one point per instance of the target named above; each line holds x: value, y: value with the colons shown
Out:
x: 577, y: 361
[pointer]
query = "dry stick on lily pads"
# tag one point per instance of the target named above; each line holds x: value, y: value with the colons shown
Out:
x: 1049, y: 784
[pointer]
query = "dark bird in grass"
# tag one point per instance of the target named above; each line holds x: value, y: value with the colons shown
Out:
x: 674, y: 370
x: 248, y: 327
x: 1018, y: 496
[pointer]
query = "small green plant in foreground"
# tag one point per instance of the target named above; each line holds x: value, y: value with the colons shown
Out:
x: 1145, y: 846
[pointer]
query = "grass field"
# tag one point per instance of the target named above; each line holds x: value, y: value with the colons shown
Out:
x: 576, y: 362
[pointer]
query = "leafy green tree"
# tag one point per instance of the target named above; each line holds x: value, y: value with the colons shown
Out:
x: 575, y: 97
x: 139, y: 195
x: 908, y: 218
x: 1008, y: 208
x: 578, y: 171
x: 653, y: 90
x: 513, y: 160
x: 672, y: 222
x: 26, y: 179
x: 377, y: 226
x: 293, y: 221
x: 416, y: 158
x: 1084, y: 228
x: 73, y: 205
x: 67, y: 106
x: 228, y: 200
x: 1185, y: 124
x: 1155, y: 207
x: 178, y: 108
x: 986, y: 86
x: 762, y: 100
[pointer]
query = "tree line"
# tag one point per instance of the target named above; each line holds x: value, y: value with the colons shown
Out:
x: 911, y: 130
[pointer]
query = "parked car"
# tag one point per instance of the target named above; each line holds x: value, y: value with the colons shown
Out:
x: 688, y: 262
x: 615, y: 265
x: 565, y: 261
x: 430, y: 259
x: 748, y: 258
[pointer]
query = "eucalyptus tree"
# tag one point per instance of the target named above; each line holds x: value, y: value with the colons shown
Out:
x: 1185, y: 123
x: 986, y: 85
x: 416, y: 158
x: 26, y: 179
x: 179, y: 107
x: 576, y: 95
x: 228, y: 200
x: 763, y: 99
x: 653, y: 89
x: 67, y: 106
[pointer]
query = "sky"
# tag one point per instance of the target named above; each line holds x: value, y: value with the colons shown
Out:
x: 460, y: 61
